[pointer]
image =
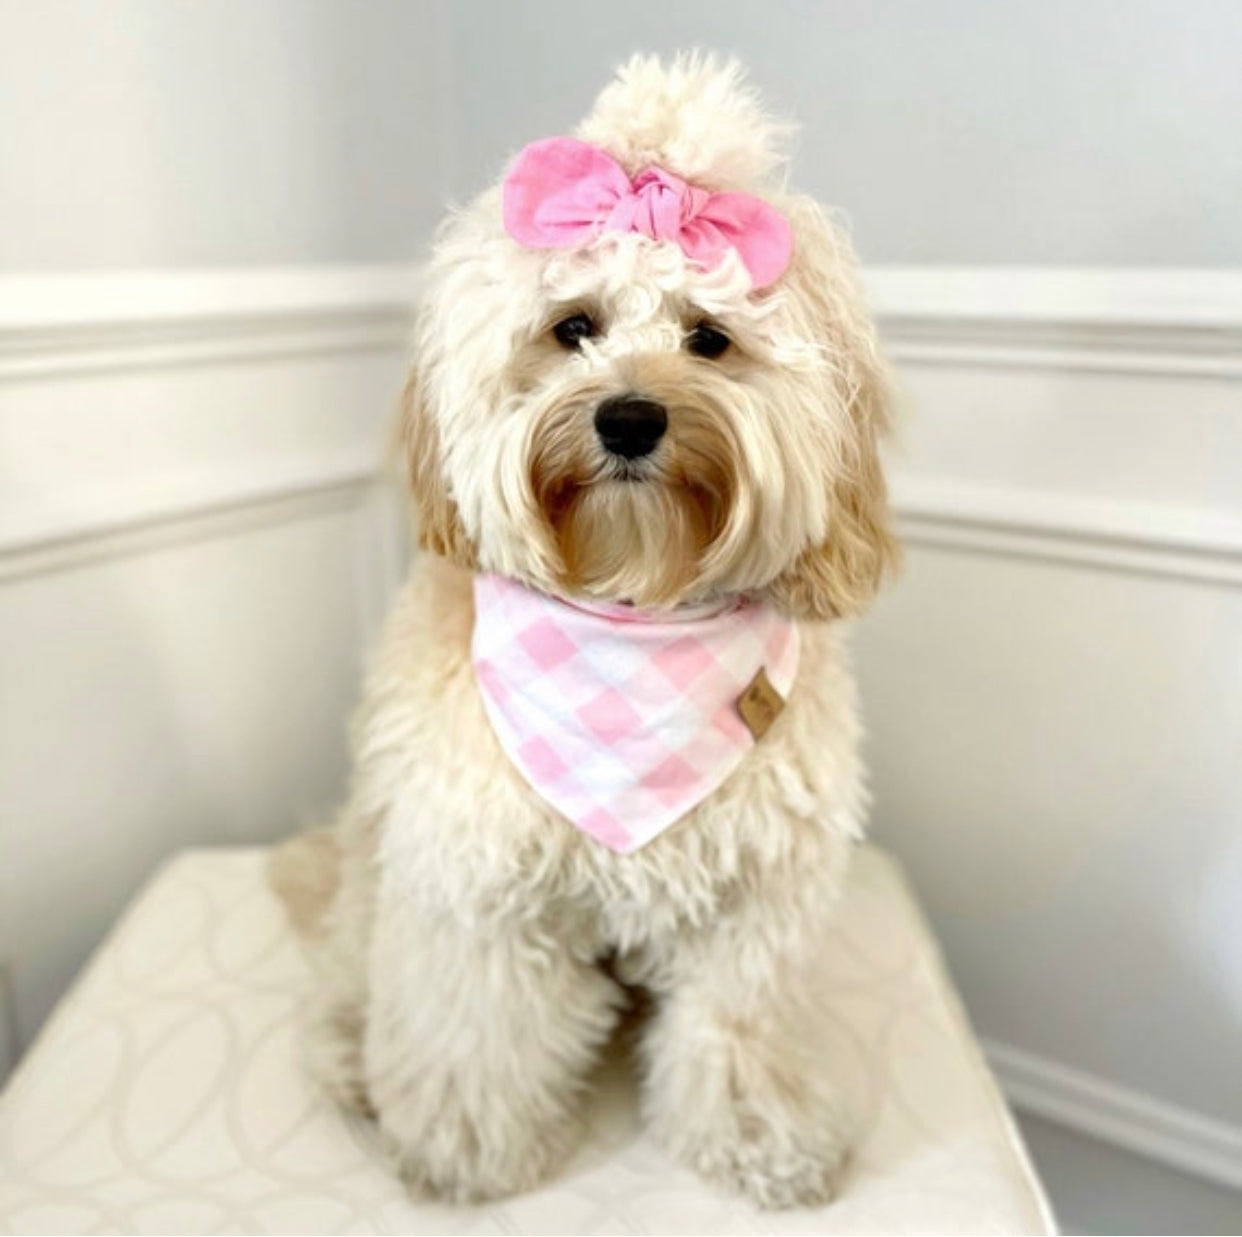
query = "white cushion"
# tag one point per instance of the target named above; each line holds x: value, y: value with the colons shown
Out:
x: 165, y: 1096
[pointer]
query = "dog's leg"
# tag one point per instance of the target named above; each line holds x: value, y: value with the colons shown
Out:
x: 478, y: 1042
x: 734, y: 1085
x: 304, y: 871
x: 325, y: 878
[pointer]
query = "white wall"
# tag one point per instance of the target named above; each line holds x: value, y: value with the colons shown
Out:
x: 175, y: 133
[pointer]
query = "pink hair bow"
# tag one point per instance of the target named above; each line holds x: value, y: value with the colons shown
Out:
x: 562, y: 192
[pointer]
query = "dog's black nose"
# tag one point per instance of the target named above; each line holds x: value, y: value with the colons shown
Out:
x: 630, y: 426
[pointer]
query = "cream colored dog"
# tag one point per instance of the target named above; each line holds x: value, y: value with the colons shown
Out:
x: 474, y: 949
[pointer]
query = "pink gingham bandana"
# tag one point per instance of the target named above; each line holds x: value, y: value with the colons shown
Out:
x: 562, y: 192
x: 623, y: 719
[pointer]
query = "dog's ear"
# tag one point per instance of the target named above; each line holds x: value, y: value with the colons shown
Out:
x: 437, y: 518
x: 840, y: 575
x: 837, y: 577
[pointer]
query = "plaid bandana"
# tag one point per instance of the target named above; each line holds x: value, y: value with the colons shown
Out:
x: 624, y: 719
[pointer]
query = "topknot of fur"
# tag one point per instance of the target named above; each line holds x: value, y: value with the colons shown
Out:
x: 695, y: 117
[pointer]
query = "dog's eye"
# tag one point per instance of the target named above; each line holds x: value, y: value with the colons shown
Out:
x: 707, y: 341
x: 571, y: 331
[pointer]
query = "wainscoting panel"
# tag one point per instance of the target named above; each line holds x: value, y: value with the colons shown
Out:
x: 196, y: 549
x: 1054, y: 688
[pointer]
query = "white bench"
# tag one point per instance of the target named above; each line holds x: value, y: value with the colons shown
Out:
x: 165, y: 1096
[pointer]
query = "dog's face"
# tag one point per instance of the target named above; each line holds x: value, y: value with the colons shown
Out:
x: 613, y: 420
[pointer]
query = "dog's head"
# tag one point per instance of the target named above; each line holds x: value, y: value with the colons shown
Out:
x: 601, y: 406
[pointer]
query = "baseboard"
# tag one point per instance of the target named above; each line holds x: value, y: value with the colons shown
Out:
x: 1159, y: 1131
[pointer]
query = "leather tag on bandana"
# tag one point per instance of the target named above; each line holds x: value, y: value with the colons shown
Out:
x: 760, y: 705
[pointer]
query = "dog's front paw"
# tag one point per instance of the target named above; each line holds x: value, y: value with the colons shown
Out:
x: 774, y: 1167
x: 462, y: 1157
x: 778, y: 1138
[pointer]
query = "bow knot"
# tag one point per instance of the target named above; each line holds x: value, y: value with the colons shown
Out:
x: 562, y: 192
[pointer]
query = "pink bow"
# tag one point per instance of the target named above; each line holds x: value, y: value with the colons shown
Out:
x: 562, y: 192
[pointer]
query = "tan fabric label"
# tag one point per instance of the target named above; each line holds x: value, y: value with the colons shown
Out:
x: 760, y: 705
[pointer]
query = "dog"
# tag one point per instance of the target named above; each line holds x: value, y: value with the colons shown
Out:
x: 610, y: 739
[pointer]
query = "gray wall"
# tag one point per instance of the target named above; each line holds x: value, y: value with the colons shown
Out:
x: 235, y: 132
x: 153, y: 132
x: 1063, y: 131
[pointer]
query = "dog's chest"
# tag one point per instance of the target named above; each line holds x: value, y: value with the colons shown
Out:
x: 473, y: 835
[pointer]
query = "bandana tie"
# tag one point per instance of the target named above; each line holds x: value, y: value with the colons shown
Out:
x: 562, y: 192
x: 624, y: 719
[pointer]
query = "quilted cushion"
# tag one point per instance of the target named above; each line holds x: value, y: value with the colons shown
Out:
x: 165, y: 1096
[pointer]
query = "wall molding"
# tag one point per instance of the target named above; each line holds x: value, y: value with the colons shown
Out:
x: 82, y: 328
x: 1139, y: 321
x: 64, y: 324
x: 226, y: 512
x: 1141, y: 539
x: 1159, y: 1131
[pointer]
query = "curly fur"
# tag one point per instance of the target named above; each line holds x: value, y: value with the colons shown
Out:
x: 459, y: 938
